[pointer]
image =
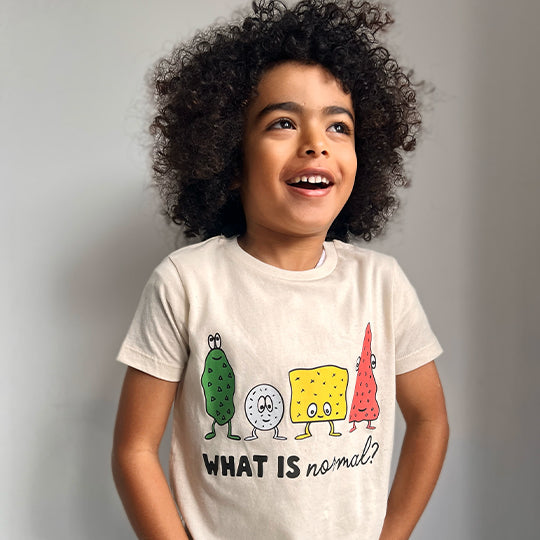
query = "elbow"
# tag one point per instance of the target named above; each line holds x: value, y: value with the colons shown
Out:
x: 440, y: 420
x: 127, y: 460
x: 122, y: 461
x: 433, y: 426
x: 117, y: 465
x: 446, y: 430
x: 438, y: 429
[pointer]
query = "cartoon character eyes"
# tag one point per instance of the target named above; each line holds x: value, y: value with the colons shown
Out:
x: 357, y: 363
x: 373, y: 362
x: 265, y: 402
x: 327, y: 408
x: 312, y: 410
x: 214, y: 341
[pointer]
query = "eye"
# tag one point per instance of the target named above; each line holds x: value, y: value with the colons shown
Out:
x: 261, y: 404
x: 217, y: 337
x: 312, y: 410
x: 373, y: 362
x: 340, y: 127
x: 211, y: 341
x: 269, y: 404
x: 327, y: 408
x: 357, y: 363
x: 282, y: 123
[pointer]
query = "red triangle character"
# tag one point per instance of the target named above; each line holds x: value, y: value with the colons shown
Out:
x: 364, y: 403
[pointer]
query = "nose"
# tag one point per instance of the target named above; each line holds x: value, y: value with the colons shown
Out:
x: 315, y: 150
x: 313, y: 144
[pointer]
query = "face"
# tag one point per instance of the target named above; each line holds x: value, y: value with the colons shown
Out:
x: 264, y: 407
x: 299, y: 153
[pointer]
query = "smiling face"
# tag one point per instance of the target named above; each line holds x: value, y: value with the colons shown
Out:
x: 264, y: 407
x: 299, y: 152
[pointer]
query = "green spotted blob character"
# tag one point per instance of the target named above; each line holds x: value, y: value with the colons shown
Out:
x: 218, y: 386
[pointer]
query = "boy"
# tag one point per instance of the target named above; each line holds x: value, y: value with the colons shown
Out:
x: 282, y: 348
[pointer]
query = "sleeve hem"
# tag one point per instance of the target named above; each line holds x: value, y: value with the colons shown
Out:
x: 136, y: 359
x: 418, y: 358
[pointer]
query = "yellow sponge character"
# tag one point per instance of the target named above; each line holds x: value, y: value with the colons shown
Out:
x: 318, y: 395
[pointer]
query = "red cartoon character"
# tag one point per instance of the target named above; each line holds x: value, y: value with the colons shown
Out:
x: 364, y: 403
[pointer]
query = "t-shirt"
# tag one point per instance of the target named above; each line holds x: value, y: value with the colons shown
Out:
x: 283, y: 420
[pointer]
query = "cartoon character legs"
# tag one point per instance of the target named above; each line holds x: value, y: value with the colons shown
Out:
x: 369, y: 426
x: 229, y: 435
x: 212, y: 434
x: 276, y: 436
x: 332, y: 432
x: 306, y: 433
x: 252, y: 437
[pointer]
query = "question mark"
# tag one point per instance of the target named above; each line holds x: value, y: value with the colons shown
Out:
x: 376, y: 445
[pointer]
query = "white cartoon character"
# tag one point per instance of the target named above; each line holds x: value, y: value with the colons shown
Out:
x: 264, y: 410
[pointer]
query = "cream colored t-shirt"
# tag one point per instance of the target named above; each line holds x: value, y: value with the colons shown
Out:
x: 284, y: 416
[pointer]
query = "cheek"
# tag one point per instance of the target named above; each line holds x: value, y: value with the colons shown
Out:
x: 350, y: 169
x: 258, y: 166
x: 353, y: 161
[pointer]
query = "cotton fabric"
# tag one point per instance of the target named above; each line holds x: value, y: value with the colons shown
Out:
x: 263, y: 445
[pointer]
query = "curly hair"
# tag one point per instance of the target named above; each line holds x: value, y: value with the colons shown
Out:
x: 203, y: 88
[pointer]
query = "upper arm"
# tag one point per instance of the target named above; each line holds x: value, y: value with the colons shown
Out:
x: 143, y: 411
x: 420, y: 395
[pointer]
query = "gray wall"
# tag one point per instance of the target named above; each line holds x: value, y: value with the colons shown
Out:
x: 81, y: 234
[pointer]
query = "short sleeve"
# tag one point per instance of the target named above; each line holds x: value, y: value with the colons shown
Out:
x: 415, y: 342
x: 156, y: 342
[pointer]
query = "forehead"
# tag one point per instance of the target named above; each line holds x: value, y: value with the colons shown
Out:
x: 311, y: 86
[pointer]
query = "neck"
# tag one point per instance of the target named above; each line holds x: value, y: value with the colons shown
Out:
x: 288, y: 253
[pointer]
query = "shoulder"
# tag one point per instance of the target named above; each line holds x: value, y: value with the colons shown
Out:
x: 198, y: 254
x: 367, y: 259
x: 170, y: 271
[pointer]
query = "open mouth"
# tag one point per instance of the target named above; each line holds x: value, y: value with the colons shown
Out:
x: 310, y: 182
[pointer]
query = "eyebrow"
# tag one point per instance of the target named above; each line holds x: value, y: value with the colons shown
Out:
x: 297, y: 108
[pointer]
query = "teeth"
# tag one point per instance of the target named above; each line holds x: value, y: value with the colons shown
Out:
x: 311, y: 180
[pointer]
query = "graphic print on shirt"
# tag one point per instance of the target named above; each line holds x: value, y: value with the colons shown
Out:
x: 364, y: 403
x: 218, y: 386
x: 264, y: 409
x: 318, y: 395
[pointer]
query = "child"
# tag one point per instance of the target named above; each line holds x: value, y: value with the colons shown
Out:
x: 282, y: 348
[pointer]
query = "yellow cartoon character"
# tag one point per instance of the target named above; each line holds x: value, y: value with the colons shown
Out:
x: 318, y: 395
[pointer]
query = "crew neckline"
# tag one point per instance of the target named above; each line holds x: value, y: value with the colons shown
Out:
x: 320, y: 271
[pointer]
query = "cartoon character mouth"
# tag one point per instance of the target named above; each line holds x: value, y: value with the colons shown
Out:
x: 310, y: 182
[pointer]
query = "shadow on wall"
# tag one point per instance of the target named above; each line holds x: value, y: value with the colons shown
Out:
x: 97, y: 295
x: 504, y: 294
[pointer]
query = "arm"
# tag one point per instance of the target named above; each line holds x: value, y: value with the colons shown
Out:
x: 421, y: 400
x: 145, y: 403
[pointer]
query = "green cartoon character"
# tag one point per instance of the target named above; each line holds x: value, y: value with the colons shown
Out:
x: 218, y: 385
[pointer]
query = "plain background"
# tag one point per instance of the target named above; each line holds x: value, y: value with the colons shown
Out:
x: 81, y: 233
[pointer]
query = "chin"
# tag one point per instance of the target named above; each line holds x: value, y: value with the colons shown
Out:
x: 309, y: 230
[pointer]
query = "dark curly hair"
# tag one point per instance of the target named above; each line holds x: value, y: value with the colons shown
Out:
x: 203, y: 88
